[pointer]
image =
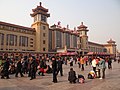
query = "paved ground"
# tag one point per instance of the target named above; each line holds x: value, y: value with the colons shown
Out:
x: 112, y: 81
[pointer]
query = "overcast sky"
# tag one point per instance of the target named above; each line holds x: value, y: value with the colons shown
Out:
x: 102, y: 17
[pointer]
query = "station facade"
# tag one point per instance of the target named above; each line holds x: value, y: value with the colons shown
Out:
x: 41, y: 37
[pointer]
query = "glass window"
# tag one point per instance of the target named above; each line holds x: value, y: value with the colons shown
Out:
x: 11, y: 40
x: 35, y: 18
x: 43, y: 18
x: 15, y: 40
x: 43, y: 49
x: 7, y: 39
x: 44, y: 27
x: 1, y: 39
x: 43, y: 41
x: 43, y: 34
x: 23, y: 41
x: 31, y: 39
x: 31, y: 42
x: 74, y: 41
x: 31, y: 45
x: 68, y: 40
x: 58, y: 39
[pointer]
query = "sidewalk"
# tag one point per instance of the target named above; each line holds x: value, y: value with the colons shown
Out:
x: 112, y: 81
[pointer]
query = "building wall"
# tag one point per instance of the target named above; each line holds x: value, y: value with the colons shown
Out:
x: 63, y: 37
x: 12, y: 39
x: 111, y: 48
x: 94, y: 47
x: 58, y: 39
x: 50, y: 40
x: 42, y: 34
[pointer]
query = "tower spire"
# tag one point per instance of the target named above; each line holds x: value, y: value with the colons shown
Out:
x: 81, y: 23
x: 40, y: 3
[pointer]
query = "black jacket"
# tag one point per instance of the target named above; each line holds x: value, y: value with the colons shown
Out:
x: 19, y: 65
x: 72, y: 76
x: 54, y: 65
x: 59, y: 63
x: 6, y: 65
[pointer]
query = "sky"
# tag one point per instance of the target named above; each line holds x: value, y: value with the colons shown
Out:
x: 102, y: 17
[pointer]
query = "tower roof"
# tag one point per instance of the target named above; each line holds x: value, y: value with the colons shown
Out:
x: 81, y: 26
x: 40, y: 10
x: 111, y: 41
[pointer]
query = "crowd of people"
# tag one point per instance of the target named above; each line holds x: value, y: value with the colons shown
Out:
x: 31, y: 66
x: 39, y: 65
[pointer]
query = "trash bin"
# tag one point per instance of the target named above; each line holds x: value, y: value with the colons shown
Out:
x: 98, y: 73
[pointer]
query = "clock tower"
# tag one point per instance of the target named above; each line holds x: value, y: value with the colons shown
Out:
x: 83, y: 38
x: 40, y: 15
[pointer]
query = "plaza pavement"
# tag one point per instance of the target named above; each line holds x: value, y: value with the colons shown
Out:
x: 112, y: 81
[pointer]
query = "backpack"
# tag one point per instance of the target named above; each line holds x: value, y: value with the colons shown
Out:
x: 80, y: 79
x: 90, y: 76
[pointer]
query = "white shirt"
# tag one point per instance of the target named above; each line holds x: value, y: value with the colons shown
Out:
x: 94, y: 63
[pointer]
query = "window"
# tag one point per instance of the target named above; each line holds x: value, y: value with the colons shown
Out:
x: 23, y: 41
x: 11, y: 40
x: 43, y: 41
x: 15, y: 40
x: 1, y: 39
x: 58, y: 39
x: 35, y: 18
x: 43, y: 49
x: 31, y: 45
x: 31, y: 39
x: 44, y: 27
x: 43, y: 34
x: 27, y: 41
x: 43, y: 18
x: 85, y: 33
x: 31, y: 42
x: 67, y: 40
